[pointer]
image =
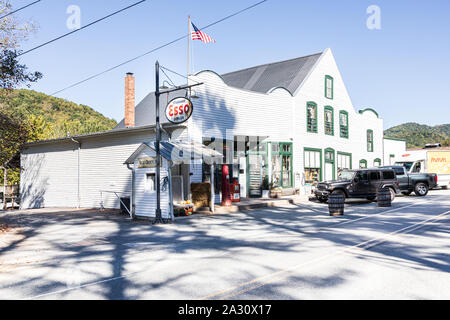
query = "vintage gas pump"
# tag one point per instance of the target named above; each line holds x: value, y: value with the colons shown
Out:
x: 236, y: 191
x: 226, y: 194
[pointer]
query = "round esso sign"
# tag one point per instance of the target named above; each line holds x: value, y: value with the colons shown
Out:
x: 179, y: 110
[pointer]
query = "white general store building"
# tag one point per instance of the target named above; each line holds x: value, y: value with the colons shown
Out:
x: 287, y: 124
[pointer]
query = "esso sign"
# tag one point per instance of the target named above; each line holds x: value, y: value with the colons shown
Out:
x: 179, y: 110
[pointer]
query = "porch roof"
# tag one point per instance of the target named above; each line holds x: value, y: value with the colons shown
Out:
x: 179, y: 151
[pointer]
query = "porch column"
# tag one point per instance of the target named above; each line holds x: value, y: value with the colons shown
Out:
x: 212, y: 189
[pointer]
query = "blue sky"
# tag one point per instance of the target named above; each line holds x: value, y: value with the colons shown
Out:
x: 402, y: 70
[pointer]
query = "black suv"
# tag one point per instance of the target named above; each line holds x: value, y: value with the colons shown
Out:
x: 362, y: 183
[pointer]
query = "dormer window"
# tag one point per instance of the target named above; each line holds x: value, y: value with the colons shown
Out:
x: 329, y: 87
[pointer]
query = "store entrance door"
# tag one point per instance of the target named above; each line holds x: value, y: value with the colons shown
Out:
x: 255, y: 174
x: 329, y: 167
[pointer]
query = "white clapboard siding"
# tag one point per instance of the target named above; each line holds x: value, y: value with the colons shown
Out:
x: 223, y: 112
x: 49, y: 176
x: 145, y: 201
x: 313, y: 89
x: 103, y: 169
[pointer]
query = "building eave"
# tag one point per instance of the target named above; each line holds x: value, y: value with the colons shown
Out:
x: 103, y: 133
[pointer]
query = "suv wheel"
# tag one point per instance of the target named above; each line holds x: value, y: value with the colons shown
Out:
x: 421, y: 189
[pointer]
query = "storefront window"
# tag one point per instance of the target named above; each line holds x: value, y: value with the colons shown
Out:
x: 282, y: 165
x: 287, y: 170
x: 313, y: 166
x: 344, y: 161
x: 276, y: 170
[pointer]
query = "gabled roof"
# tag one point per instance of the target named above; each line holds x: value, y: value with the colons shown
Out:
x: 288, y: 74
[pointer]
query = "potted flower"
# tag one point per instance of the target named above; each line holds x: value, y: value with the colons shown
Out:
x: 275, y: 191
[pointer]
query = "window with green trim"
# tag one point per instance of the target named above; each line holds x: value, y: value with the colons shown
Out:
x: 344, y: 161
x: 282, y: 174
x: 313, y: 165
x: 329, y: 87
x: 329, y: 164
x: 343, y: 124
x: 391, y: 159
x: 369, y: 140
x: 329, y: 121
x: 311, y: 117
x: 377, y: 162
x: 363, y: 164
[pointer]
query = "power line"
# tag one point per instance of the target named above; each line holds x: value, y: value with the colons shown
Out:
x: 158, y: 48
x: 84, y: 27
x: 178, y: 74
x: 167, y: 76
x: 17, y: 10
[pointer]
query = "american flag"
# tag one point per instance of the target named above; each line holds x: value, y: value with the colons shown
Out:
x: 199, y: 35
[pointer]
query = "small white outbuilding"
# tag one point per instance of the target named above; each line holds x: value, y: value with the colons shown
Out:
x: 143, y: 195
x: 143, y: 165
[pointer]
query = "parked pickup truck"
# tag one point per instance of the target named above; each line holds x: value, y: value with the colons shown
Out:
x: 362, y: 183
x: 420, y: 183
x: 428, y: 160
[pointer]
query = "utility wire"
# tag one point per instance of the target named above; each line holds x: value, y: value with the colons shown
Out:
x: 170, y: 80
x: 17, y: 10
x: 84, y: 27
x: 158, y: 48
x: 178, y: 74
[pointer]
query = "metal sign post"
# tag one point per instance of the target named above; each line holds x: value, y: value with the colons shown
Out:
x: 158, y: 218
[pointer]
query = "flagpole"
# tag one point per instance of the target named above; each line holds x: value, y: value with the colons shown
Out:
x: 189, y: 43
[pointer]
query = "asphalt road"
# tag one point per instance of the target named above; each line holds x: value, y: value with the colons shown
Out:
x: 290, y: 252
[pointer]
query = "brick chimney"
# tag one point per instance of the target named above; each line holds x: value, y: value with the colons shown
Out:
x: 129, y: 100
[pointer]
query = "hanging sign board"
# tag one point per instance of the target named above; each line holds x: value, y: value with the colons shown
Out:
x: 179, y: 110
x: 148, y: 162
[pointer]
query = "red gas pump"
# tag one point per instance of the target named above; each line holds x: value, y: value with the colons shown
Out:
x: 226, y: 196
x: 236, y: 191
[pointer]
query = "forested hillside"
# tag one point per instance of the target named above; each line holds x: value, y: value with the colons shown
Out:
x: 418, y: 135
x: 60, y: 117
x: 27, y: 115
